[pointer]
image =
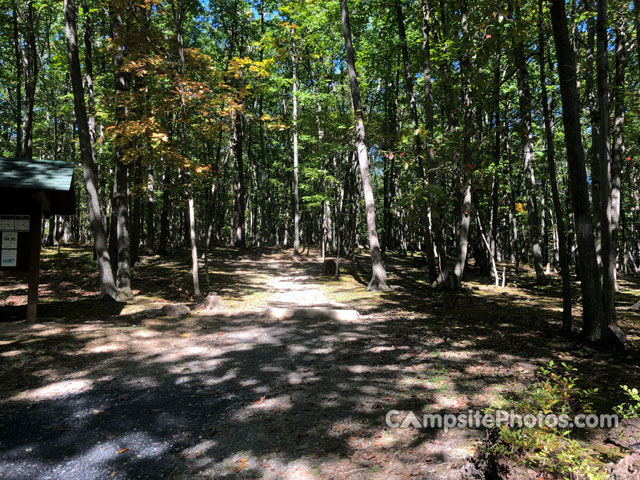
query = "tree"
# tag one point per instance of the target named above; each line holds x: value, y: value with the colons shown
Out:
x: 294, y: 134
x: 443, y: 268
x: 596, y: 325
x: 467, y: 165
x: 30, y: 60
x: 413, y: 108
x: 107, y: 284
x: 122, y: 83
x: 524, y: 100
x: 563, y: 254
x: 379, y: 274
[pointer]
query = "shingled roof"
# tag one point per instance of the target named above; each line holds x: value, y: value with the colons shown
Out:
x: 35, y: 174
x: 53, y: 178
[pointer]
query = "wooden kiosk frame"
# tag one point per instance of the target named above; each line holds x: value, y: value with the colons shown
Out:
x: 29, y: 190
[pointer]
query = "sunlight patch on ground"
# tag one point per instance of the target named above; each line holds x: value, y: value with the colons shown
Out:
x: 47, y: 331
x: 301, y: 377
x: 138, y: 382
x: 227, y: 377
x: 247, y: 464
x: 464, y: 355
x: 277, y: 404
x: 104, y: 348
x: 56, y: 390
x: 11, y: 353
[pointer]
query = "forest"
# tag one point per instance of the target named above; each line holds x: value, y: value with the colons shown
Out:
x: 428, y: 140
x: 497, y: 131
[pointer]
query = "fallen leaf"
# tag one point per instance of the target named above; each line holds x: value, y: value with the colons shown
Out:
x: 242, y: 465
x: 122, y: 450
x: 261, y: 401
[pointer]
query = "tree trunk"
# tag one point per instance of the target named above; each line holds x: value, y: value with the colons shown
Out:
x: 413, y: 108
x: 264, y: 193
x: 164, y: 215
x: 107, y: 284
x: 294, y: 133
x: 18, y: 58
x: 606, y: 206
x: 379, y: 274
x: 465, y: 193
x: 121, y: 195
x: 151, y: 209
x: 593, y: 307
x: 436, y: 224
x: 618, y: 130
x: 238, y: 147
x: 524, y: 100
x: 592, y: 101
x: 497, y: 150
x: 30, y: 60
x: 88, y: 76
x: 487, y: 245
x: 135, y: 181
x: 553, y: 177
x: 178, y: 13
x: 194, y: 250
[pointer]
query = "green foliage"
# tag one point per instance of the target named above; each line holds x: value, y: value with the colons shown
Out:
x: 631, y: 408
x: 550, y: 449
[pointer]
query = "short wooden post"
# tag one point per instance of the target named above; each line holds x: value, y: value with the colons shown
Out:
x: 34, y: 263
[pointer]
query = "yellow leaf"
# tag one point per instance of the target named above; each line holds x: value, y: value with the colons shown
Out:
x: 242, y: 465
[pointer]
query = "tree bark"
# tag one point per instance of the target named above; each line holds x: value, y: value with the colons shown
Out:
x: 413, y: 109
x: 178, y: 13
x: 294, y: 133
x: 593, y: 306
x: 497, y: 150
x: 121, y: 194
x: 379, y: 274
x: 107, y: 284
x: 592, y: 101
x: 524, y: 100
x: 164, y: 215
x: 88, y: 76
x: 553, y: 177
x: 606, y: 207
x: 436, y: 224
x: 30, y: 59
x: 618, y: 130
x: 151, y: 203
x: 465, y: 193
x: 18, y: 58
x: 238, y: 147
x: 136, y: 211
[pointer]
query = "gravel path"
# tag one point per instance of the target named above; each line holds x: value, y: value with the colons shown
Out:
x: 99, y: 429
x: 233, y: 394
x: 107, y: 432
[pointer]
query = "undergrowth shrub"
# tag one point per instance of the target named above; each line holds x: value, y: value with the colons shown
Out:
x: 548, y: 449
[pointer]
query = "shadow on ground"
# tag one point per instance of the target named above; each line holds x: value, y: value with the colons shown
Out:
x: 239, y: 395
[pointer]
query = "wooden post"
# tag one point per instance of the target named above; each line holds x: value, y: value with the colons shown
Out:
x: 34, y: 263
